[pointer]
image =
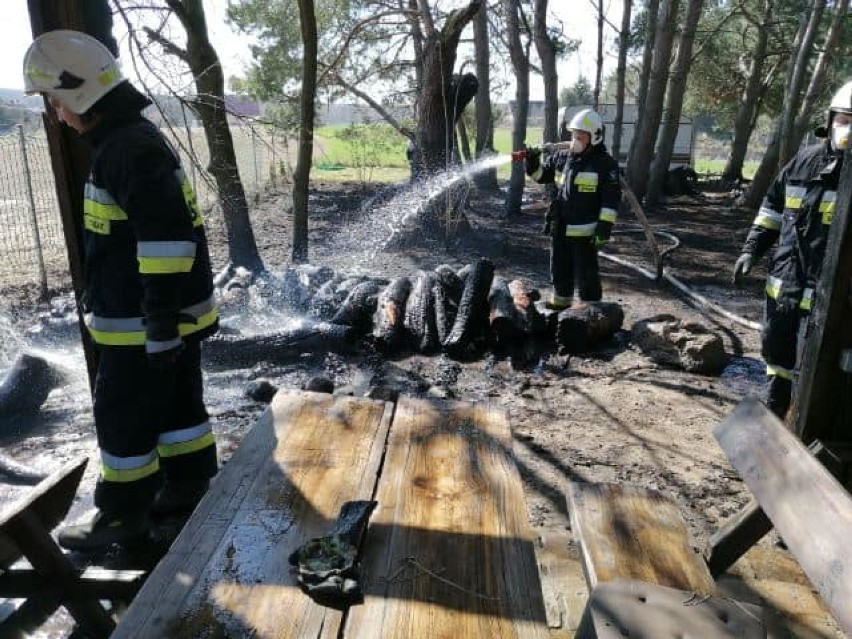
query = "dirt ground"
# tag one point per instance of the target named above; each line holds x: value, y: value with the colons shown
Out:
x: 610, y: 416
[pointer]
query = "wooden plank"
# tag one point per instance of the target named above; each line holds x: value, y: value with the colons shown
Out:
x: 562, y: 583
x: 809, y: 508
x: 94, y: 583
x: 49, y: 501
x: 822, y: 406
x: 227, y: 572
x: 746, y: 528
x: 449, y: 552
x: 634, y: 533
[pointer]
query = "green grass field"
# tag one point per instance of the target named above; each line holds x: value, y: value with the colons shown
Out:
x: 376, y: 153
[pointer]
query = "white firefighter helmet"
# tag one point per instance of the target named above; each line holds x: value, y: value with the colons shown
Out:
x: 589, y: 121
x: 70, y: 66
x: 842, y: 100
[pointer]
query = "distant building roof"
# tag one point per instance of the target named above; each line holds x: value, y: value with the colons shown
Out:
x: 242, y: 106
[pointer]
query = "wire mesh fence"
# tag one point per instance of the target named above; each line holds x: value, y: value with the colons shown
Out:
x: 32, y: 244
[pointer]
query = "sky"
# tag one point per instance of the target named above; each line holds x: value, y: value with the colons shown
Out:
x: 577, y: 15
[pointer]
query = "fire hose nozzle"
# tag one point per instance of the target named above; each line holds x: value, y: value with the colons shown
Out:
x: 547, y: 148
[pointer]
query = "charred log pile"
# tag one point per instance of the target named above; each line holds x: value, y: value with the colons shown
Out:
x: 460, y: 313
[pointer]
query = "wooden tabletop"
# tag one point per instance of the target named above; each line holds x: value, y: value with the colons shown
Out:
x: 448, y: 551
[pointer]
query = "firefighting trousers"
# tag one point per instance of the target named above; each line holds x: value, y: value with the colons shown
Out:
x: 574, y: 264
x: 783, y: 336
x: 151, y: 424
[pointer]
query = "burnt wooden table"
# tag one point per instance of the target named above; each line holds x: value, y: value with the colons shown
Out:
x: 448, y: 551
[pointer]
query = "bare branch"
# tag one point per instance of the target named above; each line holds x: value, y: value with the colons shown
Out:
x: 168, y: 45
x: 426, y: 16
x: 354, y: 90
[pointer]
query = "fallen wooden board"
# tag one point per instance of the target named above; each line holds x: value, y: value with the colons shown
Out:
x: 634, y: 533
x: 227, y: 574
x: 808, y: 507
x: 562, y: 583
x: 449, y: 551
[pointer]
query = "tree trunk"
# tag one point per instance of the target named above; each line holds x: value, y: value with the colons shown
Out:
x: 769, y: 162
x: 547, y: 53
x: 647, y: 127
x: 786, y: 142
x: 484, y: 180
x: 435, y: 126
x: 301, y: 175
x: 599, y: 63
x: 620, y: 71
x: 744, y: 122
x: 817, y: 81
x: 645, y: 72
x: 521, y: 66
x: 674, y: 103
x: 210, y: 104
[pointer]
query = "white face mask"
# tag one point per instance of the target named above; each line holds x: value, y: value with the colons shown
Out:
x: 577, y: 146
x: 840, y: 135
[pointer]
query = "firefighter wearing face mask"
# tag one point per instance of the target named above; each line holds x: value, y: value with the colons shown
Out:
x: 583, y: 210
x: 797, y: 213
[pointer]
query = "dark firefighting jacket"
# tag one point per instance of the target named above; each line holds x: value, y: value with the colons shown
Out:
x: 797, y: 212
x: 148, y: 279
x: 588, y: 191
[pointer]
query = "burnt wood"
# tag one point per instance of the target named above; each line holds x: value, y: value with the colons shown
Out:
x: 810, y: 509
x: 822, y: 406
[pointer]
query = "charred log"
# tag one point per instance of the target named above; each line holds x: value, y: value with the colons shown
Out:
x: 507, y: 325
x: 470, y: 329
x: 524, y: 297
x: 420, y: 321
x: 236, y: 351
x: 446, y: 308
x: 388, y: 326
x: 26, y: 386
x: 583, y: 327
x: 451, y: 281
x: 359, y: 306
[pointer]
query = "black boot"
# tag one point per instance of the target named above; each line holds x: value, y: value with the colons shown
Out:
x: 778, y: 393
x: 179, y: 497
x: 103, y: 530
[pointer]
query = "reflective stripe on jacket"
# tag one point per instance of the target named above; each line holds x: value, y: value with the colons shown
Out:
x: 797, y: 213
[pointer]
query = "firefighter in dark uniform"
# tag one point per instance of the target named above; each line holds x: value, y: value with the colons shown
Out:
x: 797, y: 213
x: 584, y: 209
x: 148, y: 295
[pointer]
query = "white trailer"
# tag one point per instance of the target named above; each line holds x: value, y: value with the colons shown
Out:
x: 684, y: 146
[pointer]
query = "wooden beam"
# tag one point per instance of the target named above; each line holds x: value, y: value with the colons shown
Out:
x: 749, y: 526
x: 810, y: 509
x: 69, y: 155
x: 822, y: 407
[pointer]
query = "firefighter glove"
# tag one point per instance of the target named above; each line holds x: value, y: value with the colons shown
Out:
x: 599, y: 240
x: 533, y: 160
x: 742, y: 267
x: 165, y: 359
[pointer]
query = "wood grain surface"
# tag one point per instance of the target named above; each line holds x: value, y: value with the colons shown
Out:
x: 634, y: 533
x: 449, y: 552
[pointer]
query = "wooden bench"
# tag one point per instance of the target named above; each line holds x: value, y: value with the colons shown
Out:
x: 644, y: 576
x: 448, y: 551
x: 53, y: 580
x: 632, y: 533
x: 808, y: 507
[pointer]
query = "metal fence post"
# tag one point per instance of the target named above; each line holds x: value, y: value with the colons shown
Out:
x: 42, y: 272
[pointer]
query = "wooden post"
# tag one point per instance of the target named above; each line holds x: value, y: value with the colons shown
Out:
x: 68, y: 153
x: 822, y: 407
